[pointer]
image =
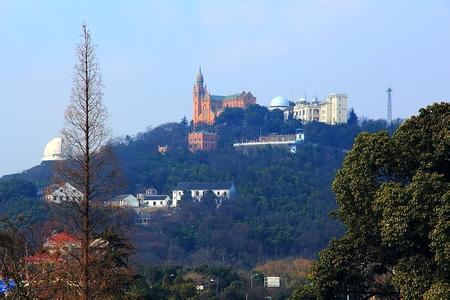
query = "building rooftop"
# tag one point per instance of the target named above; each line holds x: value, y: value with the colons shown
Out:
x: 155, y: 197
x: 204, y: 185
x: 203, y: 131
x: 222, y: 98
x: 61, y: 238
x: 279, y: 101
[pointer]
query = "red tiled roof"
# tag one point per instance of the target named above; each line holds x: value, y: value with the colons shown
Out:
x: 62, y: 237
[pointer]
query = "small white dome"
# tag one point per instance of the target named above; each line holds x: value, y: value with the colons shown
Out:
x: 53, y: 150
x: 279, y: 102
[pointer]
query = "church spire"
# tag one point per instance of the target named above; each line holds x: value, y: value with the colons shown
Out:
x: 199, y: 78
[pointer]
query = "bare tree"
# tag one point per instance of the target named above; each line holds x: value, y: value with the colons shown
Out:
x: 85, y: 144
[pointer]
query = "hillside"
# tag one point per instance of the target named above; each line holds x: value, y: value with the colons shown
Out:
x: 284, y: 199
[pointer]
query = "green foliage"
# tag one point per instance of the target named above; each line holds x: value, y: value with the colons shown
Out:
x: 438, y: 290
x: 180, y: 283
x: 393, y: 199
x: 236, y: 124
x: 281, y: 209
x: 413, y: 276
x: 352, y: 117
x: 283, y: 199
x: 19, y: 202
x: 16, y: 188
x: 303, y: 292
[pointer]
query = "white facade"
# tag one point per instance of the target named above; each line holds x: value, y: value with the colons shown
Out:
x: 333, y: 110
x: 197, y: 192
x: 306, y: 111
x: 62, y: 193
x: 153, y: 200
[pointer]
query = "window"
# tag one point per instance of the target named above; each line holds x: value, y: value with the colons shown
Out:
x: 160, y: 202
x: 218, y: 193
x: 197, y: 193
x: 224, y: 194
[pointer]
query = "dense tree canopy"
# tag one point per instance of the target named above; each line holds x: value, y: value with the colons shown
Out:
x: 393, y: 196
x: 18, y: 199
x: 283, y: 199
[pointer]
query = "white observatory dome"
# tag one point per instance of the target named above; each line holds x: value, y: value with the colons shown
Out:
x: 279, y: 102
x: 53, y: 150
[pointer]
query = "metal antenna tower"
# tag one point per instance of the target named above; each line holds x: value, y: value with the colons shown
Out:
x: 389, y: 106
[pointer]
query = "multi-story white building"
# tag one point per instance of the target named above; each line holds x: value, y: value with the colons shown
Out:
x: 224, y: 190
x: 333, y: 110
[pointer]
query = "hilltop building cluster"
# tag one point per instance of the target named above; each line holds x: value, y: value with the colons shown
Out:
x: 206, y: 107
x: 332, y: 110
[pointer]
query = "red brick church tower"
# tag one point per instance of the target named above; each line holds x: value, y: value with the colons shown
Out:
x: 207, y: 107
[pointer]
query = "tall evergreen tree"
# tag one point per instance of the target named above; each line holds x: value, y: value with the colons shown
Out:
x: 352, y: 117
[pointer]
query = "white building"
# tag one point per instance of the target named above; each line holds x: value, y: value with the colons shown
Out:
x: 291, y: 141
x: 53, y: 150
x: 333, y: 110
x: 225, y: 190
x: 65, y: 192
x: 126, y: 200
x: 152, y: 199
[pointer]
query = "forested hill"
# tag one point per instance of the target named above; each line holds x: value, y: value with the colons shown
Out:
x: 284, y: 199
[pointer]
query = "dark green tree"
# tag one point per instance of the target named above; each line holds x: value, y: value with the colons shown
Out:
x: 184, y: 124
x: 393, y: 196
x: 352, y: 117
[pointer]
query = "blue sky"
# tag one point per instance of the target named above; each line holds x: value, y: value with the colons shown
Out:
x: 150, y: 51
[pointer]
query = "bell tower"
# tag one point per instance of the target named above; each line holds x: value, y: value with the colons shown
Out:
x: 198, y: 95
